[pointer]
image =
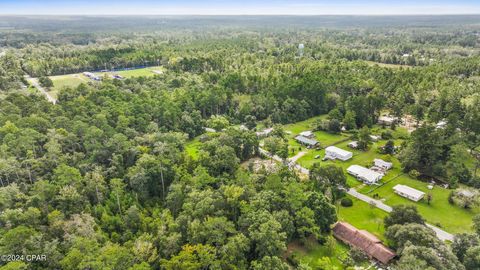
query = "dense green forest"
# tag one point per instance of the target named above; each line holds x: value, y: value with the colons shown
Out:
x: 102, y: 180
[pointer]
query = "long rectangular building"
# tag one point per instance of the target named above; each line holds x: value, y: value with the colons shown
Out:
x: 408, y: 192
x: 366, y: 175
x: 364, y: 241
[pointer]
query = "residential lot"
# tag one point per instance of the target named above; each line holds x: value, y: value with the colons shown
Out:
x: 74, y: 80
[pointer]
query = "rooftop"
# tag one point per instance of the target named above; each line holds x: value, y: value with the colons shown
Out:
x: 363, y: 240
x: 305, y: 140
x: 409, y: 191
x: 337, y: 150
x: 364, y: 173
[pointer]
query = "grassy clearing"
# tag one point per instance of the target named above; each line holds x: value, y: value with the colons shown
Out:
x: 440, y: 212
x: 336, y: 252
x: 64, y: 81
x: 141, y: 72
x: 192, y: 147
x: 363, y: 216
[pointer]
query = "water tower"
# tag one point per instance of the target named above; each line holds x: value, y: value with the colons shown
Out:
x: 300, y: 49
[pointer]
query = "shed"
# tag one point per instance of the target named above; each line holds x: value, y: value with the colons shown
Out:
x: 382, y: 164
x: 364, y: 241
x: 375, y: 138
x: 307, y: 134
x: 408, y: 192
x: 353, y: 145
x: 306, y: 141
x: 366, y: 175
x: 265, y: 132
x: 333, y: 152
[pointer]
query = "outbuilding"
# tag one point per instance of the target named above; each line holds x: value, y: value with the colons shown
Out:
x: 353, y: 145
x: 366, y: 175
x: 408, y: 192
x: 264, y: 133
x: 333, y: 152
x: 307, y: 134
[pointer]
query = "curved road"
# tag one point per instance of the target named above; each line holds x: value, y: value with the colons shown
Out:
x: 36, y: 84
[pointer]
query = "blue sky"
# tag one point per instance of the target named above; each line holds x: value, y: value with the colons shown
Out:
x: 244, y: 7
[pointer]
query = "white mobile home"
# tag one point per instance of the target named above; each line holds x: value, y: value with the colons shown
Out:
x: 382, y: 164
x: 333, y: 152
x: 408, y: 192
x: 366, y: 175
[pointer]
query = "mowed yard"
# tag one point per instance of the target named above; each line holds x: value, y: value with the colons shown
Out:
x: 439, y: 212
x: 65, y: 81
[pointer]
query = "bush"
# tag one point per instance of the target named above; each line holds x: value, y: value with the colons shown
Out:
x: 414, y: 174
x: 387, y: 135
x: 293, y: 260
x: 346, y: 202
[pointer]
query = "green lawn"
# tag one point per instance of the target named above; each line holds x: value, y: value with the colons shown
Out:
x: 363, y: 217
x: 336, y: 253
x: 142, y: 72
x: 63, y: 81
x: 452, y: 218
x: 324, y: 138
x: 192, y: 147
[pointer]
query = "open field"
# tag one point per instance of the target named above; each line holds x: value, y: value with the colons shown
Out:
x: 64, y: 81
x: 315, y: 252
x: 141, y: 72
x: 74, y: 80
x: 363, y: 216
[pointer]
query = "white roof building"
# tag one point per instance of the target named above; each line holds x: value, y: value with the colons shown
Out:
x: 366, y: 175
x: 374, y: 138
x: 264, y: 132
x: 386, y: 120
x: 408, y: 192
x: 382, y: 164
x: 308, y: 134
x: 333, y: 152
x: 353, y: 144
x: 441, y: 124
x: 209, y: 129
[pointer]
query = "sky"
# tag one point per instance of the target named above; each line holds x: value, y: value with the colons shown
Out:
x: 243, y: 7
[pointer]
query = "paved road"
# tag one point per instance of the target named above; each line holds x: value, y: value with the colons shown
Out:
x: 441, y: 234
x: 36, y: 84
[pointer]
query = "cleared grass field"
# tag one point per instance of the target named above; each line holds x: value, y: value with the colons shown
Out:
x: 63, y: 81
x: 74, y: 80
x: 315, y: 252
x: 363, y: 217
x: 141, y: 72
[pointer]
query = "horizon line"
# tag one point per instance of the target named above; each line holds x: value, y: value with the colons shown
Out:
x: 259, y: 14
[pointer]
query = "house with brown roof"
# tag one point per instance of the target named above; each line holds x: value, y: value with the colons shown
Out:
x: 363, y: 240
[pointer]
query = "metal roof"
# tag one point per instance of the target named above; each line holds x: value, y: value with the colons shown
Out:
x: 414, y: 193
x: 305, y: 140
